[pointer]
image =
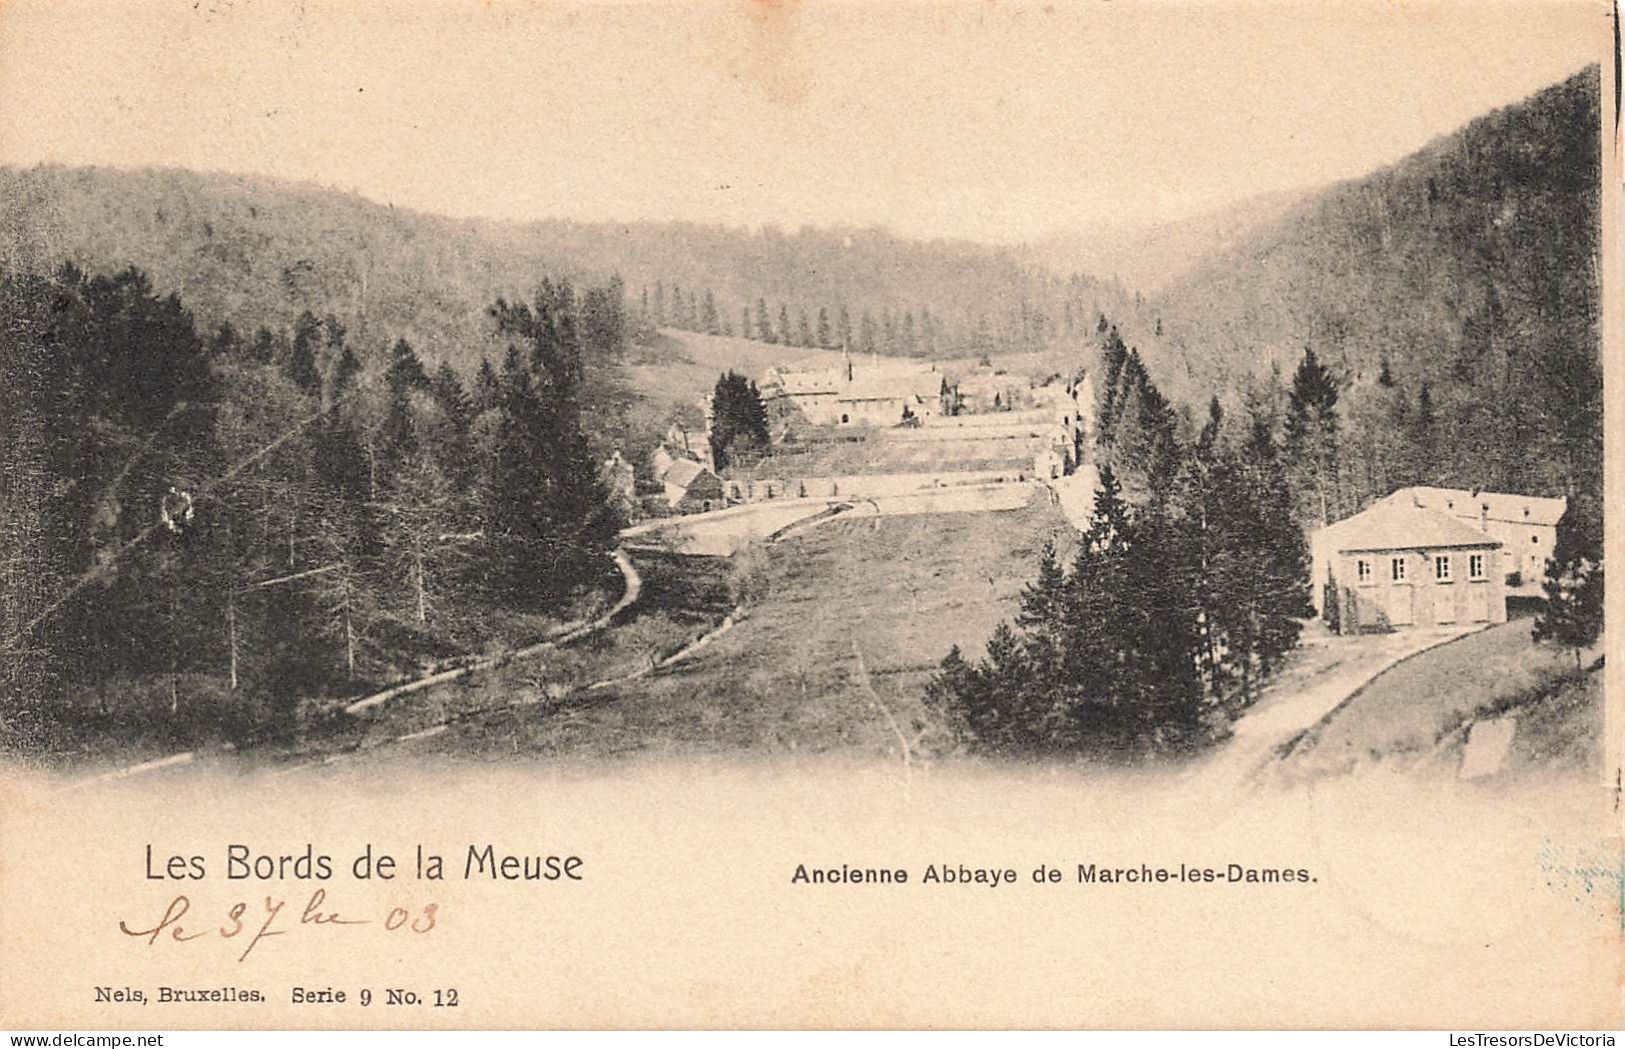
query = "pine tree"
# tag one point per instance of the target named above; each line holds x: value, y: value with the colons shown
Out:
x: 1246, y: 556
x: 709, y: 320
x: 487, y: 389
x: 824, y: 336
x: 546, y: 514
x: 300, y: 365
x: 738, y: 419
x: 1312, y: 437
x: 603, y: 327
x: 349, y: 606
x: 1573, y: 616
x: 403, y: 379
x: 1160, y: 618
x: 867, y: 336
x: 786, y: 336
x: 448, y: 437
x: 264, y: 346
x: 764, y: 327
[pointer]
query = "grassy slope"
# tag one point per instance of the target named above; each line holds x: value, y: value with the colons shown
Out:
x: 682, y: 366
x: 786, y: 678
x: 1408, y: 710
x: 1563, y: 727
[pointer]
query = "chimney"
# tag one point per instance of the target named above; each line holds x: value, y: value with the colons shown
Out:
x: 1484, y: 517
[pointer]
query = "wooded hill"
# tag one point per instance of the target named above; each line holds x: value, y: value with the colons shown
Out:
x: 1453, y: 295
x: 1439, y: 323
x: 260, y: 251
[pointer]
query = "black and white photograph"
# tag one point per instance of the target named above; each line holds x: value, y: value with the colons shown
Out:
x: 826, y: 420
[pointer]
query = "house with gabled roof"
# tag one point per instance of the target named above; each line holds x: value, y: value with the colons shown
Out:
x: 691, y: 488
x: 1399, y: 565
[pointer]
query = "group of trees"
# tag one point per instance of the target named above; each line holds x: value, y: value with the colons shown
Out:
x: 738, y: 419
x: 283, y: 514
x: 685, y: 310
x: 1181, y: 598
x: 891, y: 332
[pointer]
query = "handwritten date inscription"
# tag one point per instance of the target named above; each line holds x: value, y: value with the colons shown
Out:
x: 256, y: 922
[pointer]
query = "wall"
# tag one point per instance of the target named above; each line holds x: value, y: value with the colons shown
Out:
x: 1384, y: 604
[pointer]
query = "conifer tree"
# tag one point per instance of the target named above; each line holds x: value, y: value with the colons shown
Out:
x: 1573, y: 616
x: 738, y: 419
x: 764, y: 327
x: 264, y: 346
x: 709, y: 321
x: 868, y: 338
x: 487, y: 389
x: 1312, y: 437
x: 300, y: 365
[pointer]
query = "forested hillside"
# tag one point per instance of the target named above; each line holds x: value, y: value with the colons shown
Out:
x: 205, y: 536
x: 1435, y: 323
x: 1452, y: 296
x: 258, y: 251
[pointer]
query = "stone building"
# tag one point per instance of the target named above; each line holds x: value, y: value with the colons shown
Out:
x: 853, y: 393
x: 1526, y: 525
x: 691, y: 488
x: 1398, y: 565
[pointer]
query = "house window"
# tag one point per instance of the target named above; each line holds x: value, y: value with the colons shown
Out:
x: 1534, y: 540
x: 1397, y: 567
x: 1475, y: 566
x: 1441, y: 568
x: 1362, y: 569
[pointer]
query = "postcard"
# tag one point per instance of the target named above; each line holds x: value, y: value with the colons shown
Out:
x: 809, y: 514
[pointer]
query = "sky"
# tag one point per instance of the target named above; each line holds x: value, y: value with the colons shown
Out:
x: 991, y: 121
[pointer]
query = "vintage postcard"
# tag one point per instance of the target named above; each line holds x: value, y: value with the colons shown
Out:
x: 809, y: 514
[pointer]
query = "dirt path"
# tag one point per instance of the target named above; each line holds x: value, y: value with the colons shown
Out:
x: 1327, y: 672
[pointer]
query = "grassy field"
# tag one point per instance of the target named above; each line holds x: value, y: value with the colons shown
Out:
x: 1409, y: 711
x: 849, y: 622
x: 683, y: 366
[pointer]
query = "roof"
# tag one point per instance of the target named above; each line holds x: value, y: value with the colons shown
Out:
x: 683, y: 472
x: 1497, y: 506
x: 1400, y: 526
x: 871, y: 380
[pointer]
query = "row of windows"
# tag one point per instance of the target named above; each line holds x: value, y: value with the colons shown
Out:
x: 1441, y: 568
